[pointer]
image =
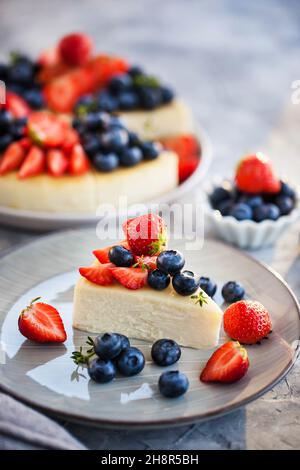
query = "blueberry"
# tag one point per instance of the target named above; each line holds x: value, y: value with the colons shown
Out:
x: 150, y: 97
x: 219, y: 194
x: 16, y: 88
x: 134, y: 140
x: 252, y: 201
x: 128, y: 100
x: 135, y: 70
x: 151, y: 150
x: 96, y: 121
x: 120, y: 256
x: 158, y: 280
x: 102, y: 370
x: 209, y: 287
x: 285, y: 204
x: 17, y: 130
x: 108, y: 346
x: 185, y: 283
x: 131, y: 156
x: 21, y: 72
x: 225, y: 207
x: 106, y: 162
x: 116, y: 122
x: 85, y: 103
x: 241, y: 211
x: 3, y: 71
x: 266, y: 212
x: 286, y: 190
x: 233, y: 291
x: 114, y: 139
x: 120, y: 83
x: 170, y: 261
x: 124, y: 341
x: 165, y: 352
x: 5, y: 140
x: 173, y: 384
x: 107, y: 102
x: 34, y: 98
x: 167, y: 94
x: 6, y: 120
x: 131, y: 362
x: 91, y: 144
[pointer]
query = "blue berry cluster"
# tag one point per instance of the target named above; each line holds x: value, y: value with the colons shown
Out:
x: 257, y: 207
x: 11, y: 129
x: 109, y: 144
x: 20, y: 76
x: 128, y: 91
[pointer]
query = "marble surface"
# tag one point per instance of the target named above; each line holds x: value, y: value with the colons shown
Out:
x: 235, y: 69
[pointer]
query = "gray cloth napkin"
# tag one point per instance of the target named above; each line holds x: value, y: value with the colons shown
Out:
x: 22, y: 428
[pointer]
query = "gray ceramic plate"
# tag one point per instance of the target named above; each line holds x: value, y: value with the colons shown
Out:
x: 45, y: 377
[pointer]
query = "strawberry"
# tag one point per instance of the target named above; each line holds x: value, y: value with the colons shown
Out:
x: 131, y: 278
x: 42, y: 323
x: 98, y: 274
x: 34, y: 163
x: 71, y: 138
x: 187, y: 148
x: 187, y: 166
x: 102, y: 253
x: 16, y: 105
x: 57, y: 162
x: 255, y: 174
x: 25, y: 142
x: 146, y: 262
x: 247, y: 321
x: 146, y: 234
x: 79, y: 162
x: 49, y: 57
x: 61, y: 93
x: 12, y: 158
x: 45, y: 129
x: 228, y: 364
x: 75, y: 49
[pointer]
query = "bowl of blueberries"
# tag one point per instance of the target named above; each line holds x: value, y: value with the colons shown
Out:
x: 253, y: 210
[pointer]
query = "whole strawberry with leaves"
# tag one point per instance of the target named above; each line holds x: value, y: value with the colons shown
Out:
x: 146, y: 234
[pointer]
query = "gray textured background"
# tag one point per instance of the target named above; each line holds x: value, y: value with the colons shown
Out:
x: 234, y: 62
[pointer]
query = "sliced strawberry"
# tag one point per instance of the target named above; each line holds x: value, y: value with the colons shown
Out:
x: 228, y: 364
x: 34, y: 163
x: 71, y: 139
x: 146, y: 262
x: 187, y: 166
x: 45, y: 129
x: 12, y: 158
x: 100, y: 274
x: 76, y: 48
x: 61, y: 94
x: 57, y: 162
x: 131, y: 278
x: 16, y: 105
x: 42, y: 323
x: 146, y: 234
x: 25, y: 142
x: 79, y: 162
x: 49, y: 57
x: 102, y: 253
x: 188, y: 151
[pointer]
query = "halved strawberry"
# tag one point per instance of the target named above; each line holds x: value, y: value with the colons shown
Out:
x: 228, y: 364
x: 45, y: 129
x: 75, y: 48
x: 98, y: 274
x: 16, y: 105
x: 131, y: 278
x: 102, y: 253
x: 57, y: 162
x: 61, y: 93
x: 71, y: 139
x: 49, y: 57
x: 42, y: 323
x: 79, y: 162
x: 12, y: 158
x: 146, y: 234
x: 34, y: 163
x: 146, y: 262
x: 25, y: 142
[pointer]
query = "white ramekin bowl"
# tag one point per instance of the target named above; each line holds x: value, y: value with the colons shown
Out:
x: 247, y: 233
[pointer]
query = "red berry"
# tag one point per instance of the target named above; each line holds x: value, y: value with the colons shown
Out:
x: 102, y: 253
x: 34, y: 163
x: 131, y: 278
x: 79, y: 162
x: 42, y: 323
x: 75, y: 49
x: 57, y: 162
x: 146, y: 234
x: 98, y: 274
x: 16, y: 105
x: 255, y: 175
x: 46, y: 129
x: 247, y: 321
x: 12, y: 158
x: 188, y: 151
x: 228, y: 364
x: 146, y: 262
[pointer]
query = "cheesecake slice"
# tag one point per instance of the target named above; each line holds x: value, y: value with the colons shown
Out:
x: 146, y: 314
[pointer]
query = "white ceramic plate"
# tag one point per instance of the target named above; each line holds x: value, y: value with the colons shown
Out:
x: 43, y: 221
x: 45, y: 377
